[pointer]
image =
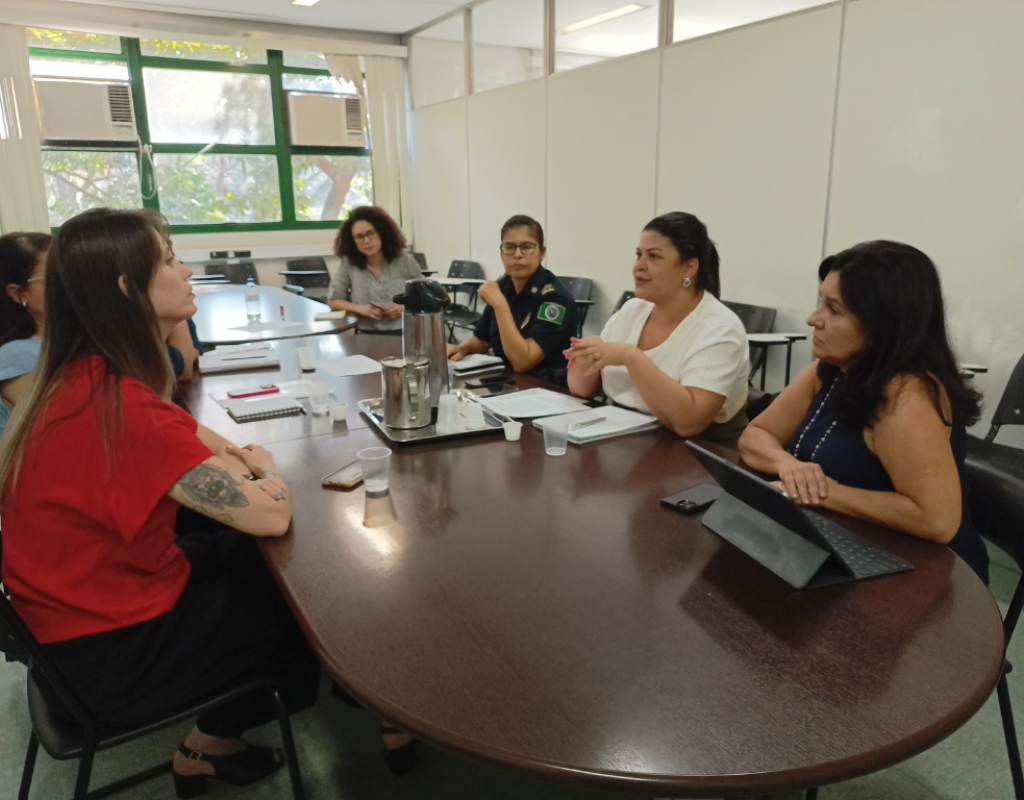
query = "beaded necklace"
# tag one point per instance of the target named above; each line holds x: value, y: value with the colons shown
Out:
x: 796, y: 448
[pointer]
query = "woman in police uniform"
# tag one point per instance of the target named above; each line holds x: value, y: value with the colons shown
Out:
x: 530, y: 316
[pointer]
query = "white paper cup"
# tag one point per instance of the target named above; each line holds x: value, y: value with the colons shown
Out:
x: 319, y: 397
x: 339, y: 412
x: 307, y: 358
x: 448, y: 418
x: 556, y: 437
x: 513, y: 430
x: 376, y: 464
x: 475, y: 416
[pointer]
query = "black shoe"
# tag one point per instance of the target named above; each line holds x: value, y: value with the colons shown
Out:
x: 239, y: 769
x: 401, y: 760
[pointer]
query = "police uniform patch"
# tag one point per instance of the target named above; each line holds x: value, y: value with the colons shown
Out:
x: 551, y: 312
x: 549, y: 288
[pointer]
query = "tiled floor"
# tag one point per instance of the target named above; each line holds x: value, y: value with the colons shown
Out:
x: 338, y: 750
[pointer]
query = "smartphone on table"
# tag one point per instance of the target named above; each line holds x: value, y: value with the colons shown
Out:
x: 345, y: 478
x: 694, y: 499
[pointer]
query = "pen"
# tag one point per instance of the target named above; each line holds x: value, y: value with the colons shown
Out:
x: 240, y: 358
x: 588, y: 423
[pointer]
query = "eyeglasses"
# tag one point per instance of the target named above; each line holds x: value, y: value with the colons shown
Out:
x: 509, y: 249
x: 365, y: 237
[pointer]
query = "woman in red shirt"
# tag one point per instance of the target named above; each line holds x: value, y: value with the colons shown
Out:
x: 94, y: 465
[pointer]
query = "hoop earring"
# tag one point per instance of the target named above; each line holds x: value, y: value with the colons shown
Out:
x: 687, y: 283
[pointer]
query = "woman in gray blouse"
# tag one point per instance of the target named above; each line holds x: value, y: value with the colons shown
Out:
x: 374, y: 268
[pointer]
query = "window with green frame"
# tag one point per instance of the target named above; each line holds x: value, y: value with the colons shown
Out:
x: 214, y: 118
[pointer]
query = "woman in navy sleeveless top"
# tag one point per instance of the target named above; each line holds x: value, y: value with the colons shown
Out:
x: 877, y: 427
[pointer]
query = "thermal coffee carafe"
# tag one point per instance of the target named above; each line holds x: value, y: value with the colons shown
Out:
x: 423, y: 331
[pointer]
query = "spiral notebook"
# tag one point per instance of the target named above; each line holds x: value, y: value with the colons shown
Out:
x: 263, y: 408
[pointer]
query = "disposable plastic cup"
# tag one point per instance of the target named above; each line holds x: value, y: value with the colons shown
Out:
x: 451, y: 373
x: 319, y: 397
x: 339, y: 412
x: 475, y: 416
x: 376, y: 464
x: 448, y: 419
x: 307, y: 358
x: 513, y: 430
x: 556, y: 436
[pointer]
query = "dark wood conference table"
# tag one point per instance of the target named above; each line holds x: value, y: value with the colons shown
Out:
x: 548, y: 615
x: 221, y: 309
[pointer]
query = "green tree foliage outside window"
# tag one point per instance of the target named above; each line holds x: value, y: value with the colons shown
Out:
x: 79, y: 180
x: 173, y: 48
x: 72, y: 40
x: 329, y: 187
x: 207, y: 189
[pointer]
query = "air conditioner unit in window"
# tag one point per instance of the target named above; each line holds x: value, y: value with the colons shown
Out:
x: 326, y: 120
x: 85, y: 111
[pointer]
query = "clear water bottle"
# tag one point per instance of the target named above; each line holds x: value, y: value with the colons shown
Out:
x: 252, y: 301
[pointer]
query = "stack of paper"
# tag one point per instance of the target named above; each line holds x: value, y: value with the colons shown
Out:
x: 477, y: 363
x: 221, y: 361
x: 323, y: 316
x: 614, y: 421
x: 346, y: 367
x: 532, y: 403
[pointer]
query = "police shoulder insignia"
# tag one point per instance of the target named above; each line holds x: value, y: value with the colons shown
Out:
x: 551, y: 312
x: 549, y: 288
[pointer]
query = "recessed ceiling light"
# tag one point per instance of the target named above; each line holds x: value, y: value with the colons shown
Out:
x: 305, y: 2
x: 610, y: 15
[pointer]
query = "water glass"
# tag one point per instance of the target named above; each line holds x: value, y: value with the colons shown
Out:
x: 339, y: 412
x: 307, y: 358
x: 376, y: 464
x: 556, y: 436
x: 319, y: 397
x: 448, y: 419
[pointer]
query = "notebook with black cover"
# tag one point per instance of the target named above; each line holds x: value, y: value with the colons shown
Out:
x: 802, y: 547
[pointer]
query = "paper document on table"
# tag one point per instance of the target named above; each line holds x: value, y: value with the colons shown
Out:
x: 285, y: 389
x: 323, y: 316
x: 272, y: 325
x: 217, y: 362
x: 475, y: 362
x: 533, y: 403
x: 617, y: 422
x: 346, y: 367
x: 228, y: 349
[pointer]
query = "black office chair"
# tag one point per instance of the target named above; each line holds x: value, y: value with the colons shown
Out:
x: 239, y: 272
x: 755, y: 319
x: 626, y: 296
x: 421, y: 258
x: 580, y: 289
x: 458, y: 315
x: 995, y: 474
x: 310, y: 275
x: 66, y: 741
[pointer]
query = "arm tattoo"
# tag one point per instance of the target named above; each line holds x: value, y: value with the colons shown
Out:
x: 213, y: 487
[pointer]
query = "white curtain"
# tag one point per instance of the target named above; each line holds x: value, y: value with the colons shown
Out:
x: 385, y: 87
x: 22, y: 192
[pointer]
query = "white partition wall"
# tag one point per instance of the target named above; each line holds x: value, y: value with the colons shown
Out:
x: 440, y: 183
x: 507, y: 155
x: 930, y: 151
x: 746, y: 128
x: 602, y: 123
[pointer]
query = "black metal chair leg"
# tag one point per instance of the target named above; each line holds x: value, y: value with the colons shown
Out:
x: 289, y: 747
x: 1010, y: 732
x: 811, y: 794
x: 30, y: 766
x: 84, y: 773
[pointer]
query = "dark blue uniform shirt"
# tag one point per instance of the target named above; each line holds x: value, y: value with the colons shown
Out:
x: 544, y: 311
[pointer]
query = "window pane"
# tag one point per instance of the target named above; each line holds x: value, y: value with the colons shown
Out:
x: 198, y: 51
x: 212, y: 189
x: 508, y: 43
x: 71, y: 40
x: 317, y: 83
x: 329, y: 187
x: 698, y: 17
x: 304, y: 58
x: 79, y: 180
x: 588, y: 31
x: 437, y: 63
x: 75, y: 68
x: 201, y: 107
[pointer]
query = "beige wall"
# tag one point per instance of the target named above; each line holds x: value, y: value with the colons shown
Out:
x: 738, y: 128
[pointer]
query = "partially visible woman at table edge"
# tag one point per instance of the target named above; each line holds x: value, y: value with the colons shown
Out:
x: 374, y: 268
x: 674, y: 350
x: 136, y: 626
x: 876, y: 427
x: 22, y: 314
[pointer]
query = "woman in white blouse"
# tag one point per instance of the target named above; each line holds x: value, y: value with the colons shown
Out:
x: 673, y: 351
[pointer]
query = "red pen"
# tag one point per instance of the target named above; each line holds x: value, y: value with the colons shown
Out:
x: 282, y: 313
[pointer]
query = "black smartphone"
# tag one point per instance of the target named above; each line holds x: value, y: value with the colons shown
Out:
x: 694, y: 499
x: 490, y: 383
